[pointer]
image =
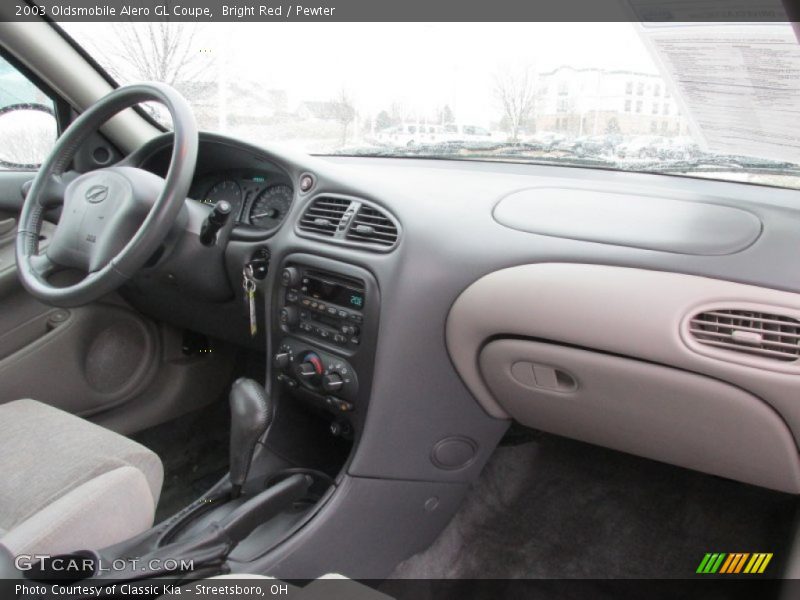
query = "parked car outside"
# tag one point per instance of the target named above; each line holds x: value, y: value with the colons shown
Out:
x: 411, y: 134
x: 466, y: 133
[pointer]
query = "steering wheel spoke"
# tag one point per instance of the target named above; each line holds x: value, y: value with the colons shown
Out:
x: 52, y: 189
x: 43, y: 265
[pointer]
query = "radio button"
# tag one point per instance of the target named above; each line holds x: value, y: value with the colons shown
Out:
x: 289, y: 315
x: 342, y: 314
x: 356, y: 318
x: 339, y: 338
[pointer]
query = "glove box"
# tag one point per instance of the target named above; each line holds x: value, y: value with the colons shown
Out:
x: 654, y: 411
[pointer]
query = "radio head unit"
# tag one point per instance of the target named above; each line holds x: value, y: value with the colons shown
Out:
x: 322, y: 305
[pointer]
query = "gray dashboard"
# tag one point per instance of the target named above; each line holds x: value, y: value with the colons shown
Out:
x: 450, y: 239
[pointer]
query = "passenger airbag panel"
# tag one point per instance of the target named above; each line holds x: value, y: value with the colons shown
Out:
x: 630, y: 219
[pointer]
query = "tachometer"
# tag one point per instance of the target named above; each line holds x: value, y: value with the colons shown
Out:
x: 271, y: 206
x: 227, y: 189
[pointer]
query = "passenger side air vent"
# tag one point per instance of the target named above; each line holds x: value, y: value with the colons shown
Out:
x: 324, y: 215
x: 372, y: 226
x: 771, y: 336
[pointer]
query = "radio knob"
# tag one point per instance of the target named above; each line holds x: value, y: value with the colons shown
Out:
x: 289, y: 315
x: 332, y: 382
x: 290, y: 277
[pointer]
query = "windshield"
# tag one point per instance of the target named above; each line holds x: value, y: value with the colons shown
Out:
x: 719, y: 101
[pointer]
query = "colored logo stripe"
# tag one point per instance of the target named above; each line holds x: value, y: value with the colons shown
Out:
x: 758, y: 563
x: 735, y: 562
x: 710, y: 563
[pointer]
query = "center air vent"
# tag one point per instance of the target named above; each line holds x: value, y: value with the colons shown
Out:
x: 372, y: 226
x: 324, y: 215
x: 771, y: 336
x: 349, y: 221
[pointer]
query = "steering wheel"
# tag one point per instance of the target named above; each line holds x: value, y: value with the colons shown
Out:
x: 114, y: 219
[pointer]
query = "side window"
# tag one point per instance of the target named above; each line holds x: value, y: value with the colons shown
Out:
x: 28, y: 126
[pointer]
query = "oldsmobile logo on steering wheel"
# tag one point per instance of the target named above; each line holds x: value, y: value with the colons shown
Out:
x: 97, y: 193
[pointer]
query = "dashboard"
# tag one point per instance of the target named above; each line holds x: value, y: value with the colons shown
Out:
x: 350, y: 325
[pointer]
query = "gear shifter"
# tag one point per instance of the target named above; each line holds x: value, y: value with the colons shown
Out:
x: 251, y: 415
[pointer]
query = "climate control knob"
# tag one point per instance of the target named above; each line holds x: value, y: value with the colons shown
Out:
x: 332, y: 382
x: 306, y: 371
x: 310, y: 369
x: 282, y: 360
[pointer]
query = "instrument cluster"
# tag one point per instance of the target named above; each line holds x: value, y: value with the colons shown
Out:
x: 259, y: 199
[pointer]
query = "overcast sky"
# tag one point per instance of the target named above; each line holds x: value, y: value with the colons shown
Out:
x: 421, y: 65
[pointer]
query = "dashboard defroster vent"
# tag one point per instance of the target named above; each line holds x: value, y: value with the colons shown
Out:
x: 372, y: 226
x: 771, y: 336
x: 323, y: 215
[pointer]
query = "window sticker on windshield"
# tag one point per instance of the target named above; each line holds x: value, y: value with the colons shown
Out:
x: 739, y: 85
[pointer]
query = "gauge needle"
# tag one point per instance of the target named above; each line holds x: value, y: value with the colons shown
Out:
x: 270, y: 213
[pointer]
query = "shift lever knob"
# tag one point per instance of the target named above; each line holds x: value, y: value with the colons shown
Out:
x: 251, y: 415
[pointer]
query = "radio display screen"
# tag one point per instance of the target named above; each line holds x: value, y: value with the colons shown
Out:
x: 335, y: 293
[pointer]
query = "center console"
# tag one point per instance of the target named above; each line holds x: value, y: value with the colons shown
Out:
x: 324, y: 338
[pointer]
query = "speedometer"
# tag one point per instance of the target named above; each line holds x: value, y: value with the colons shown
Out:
x: 271, y: 206
x: 227, y: 189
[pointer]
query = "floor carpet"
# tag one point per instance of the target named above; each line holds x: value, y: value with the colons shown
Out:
x: 547, y: 507
x: 194, y: 450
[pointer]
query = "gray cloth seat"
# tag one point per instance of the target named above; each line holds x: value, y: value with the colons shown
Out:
x: 67, y: 484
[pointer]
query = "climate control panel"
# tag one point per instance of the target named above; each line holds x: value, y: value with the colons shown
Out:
x: 318, y: 372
